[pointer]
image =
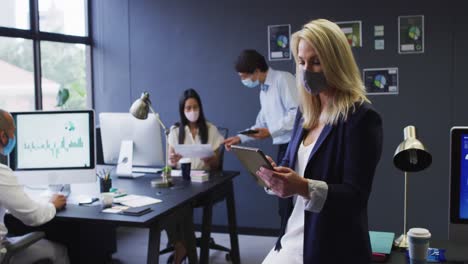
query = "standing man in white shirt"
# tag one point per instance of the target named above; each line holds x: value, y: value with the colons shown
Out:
x: 278, y: 101
x: 20, y: 205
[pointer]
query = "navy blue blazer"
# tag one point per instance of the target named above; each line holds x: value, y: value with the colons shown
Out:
x: 345, y: 156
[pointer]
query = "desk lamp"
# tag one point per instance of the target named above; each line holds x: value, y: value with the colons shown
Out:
x: 410, y: 156
x: 140, y: 109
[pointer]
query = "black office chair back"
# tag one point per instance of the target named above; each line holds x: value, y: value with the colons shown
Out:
x: 224, y: 132
x: 4, y: 160
x: 99, y: 153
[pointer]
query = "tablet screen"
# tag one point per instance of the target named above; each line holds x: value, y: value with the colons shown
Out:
x: 252, y: 159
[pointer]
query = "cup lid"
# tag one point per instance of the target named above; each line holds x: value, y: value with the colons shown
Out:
x: 419, y: 232
x: 184, y: 160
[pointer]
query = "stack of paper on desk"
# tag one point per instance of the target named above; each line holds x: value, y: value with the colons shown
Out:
x: 136, y: 200
x: 195, y: 175
x: 200, y: 176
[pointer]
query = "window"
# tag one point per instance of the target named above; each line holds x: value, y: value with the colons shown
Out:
x: 15, y: 14
x: 64, y: 64
x: 64, y: 17
x: 45, y: 55
x: 16, y: 74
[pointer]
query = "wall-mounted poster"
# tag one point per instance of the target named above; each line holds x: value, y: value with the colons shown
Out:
x: 353, y: 32
x: 279, y: 38
x: 379, y: 41
x: 381, y: 81
x: 410, y: 34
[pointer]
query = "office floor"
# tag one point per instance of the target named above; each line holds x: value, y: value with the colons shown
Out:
x: 133, y: 243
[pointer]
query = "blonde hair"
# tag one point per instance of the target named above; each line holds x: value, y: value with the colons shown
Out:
x: 340, y: 70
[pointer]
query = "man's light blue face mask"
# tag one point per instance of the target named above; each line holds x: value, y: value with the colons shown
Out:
x: 249, y: 83
x: 9, y: 146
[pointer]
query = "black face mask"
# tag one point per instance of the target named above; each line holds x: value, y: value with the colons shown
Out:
x: 314, y: 82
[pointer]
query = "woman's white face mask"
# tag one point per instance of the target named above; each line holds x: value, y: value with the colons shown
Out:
x: 192, y: 116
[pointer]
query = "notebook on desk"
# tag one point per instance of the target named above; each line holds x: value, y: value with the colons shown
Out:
x: 381, y: 244
x: 136, y: 211
x: 136, y: 200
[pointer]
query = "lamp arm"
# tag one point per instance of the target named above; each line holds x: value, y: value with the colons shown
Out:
x: 159, y: 120
x: 405, y: 206
x: 166, y: 133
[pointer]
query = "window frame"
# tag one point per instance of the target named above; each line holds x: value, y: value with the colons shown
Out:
x: 37, y: 36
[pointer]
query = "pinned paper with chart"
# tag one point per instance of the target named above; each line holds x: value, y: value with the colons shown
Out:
x: 411, y: 34
x: 194, y: 150
x: 381, y: 81
x: 352, y: 31
x: 279, y: 38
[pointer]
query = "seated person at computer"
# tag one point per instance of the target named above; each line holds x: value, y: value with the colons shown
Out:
x: 194, y: 129
x: 20, y: 205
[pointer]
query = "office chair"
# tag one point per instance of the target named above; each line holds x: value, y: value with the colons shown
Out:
x: 4, y: 160
x: 207, y: 204
x: 204, y: 203
x: 14, y: 247
x: 224, y: 132
x: 99, y: 153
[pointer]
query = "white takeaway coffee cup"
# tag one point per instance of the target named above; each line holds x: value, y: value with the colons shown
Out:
x: 418, y: 244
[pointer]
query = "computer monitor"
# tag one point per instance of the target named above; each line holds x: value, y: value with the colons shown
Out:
x: 54, y: 147
x: 458, y: 225
x: 144, y: 137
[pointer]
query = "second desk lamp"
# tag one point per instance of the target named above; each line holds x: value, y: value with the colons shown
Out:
x: 410, y: 156
x: 140, y: 109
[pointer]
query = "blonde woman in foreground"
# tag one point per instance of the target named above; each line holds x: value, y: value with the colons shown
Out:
x: 326, y: 175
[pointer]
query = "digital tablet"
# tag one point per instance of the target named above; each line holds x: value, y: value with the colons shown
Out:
x: 248, y: 132
x: 252, y: 159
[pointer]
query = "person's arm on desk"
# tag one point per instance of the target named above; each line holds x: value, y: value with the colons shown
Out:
x: 21, y: 206
x: 59, y: 201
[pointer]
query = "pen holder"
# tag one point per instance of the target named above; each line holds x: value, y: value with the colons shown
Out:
x: 105, y: 185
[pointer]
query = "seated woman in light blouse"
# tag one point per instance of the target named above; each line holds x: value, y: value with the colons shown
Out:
x: 191, y: 129
x: 194, y: 129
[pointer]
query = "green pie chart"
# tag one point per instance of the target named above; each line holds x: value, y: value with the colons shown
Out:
x: 380, y: 81
x: 414, y: 33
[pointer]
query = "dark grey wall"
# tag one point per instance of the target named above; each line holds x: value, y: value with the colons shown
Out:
x: 165, y: 47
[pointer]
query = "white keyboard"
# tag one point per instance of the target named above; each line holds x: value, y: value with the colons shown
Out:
x: 146, y: 170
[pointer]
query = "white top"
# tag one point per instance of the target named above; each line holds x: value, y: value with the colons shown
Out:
x: 292, y: 242
x: 214, y: 139
x: 278, y: 102
x: 419, y: 232
x: 19, y: 204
